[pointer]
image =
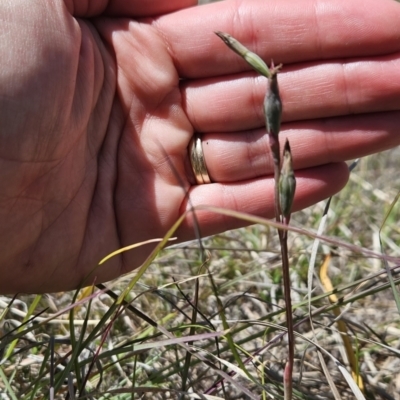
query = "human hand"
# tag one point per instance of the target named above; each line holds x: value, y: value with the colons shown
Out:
x: 98, y: 105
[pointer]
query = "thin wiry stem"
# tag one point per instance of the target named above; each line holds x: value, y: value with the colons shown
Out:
x: 284, y: 193
x: 285, y: 182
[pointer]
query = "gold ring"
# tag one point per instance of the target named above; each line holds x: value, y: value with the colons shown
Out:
x: 197, y: 160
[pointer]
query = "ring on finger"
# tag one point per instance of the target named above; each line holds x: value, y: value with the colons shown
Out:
x: 197, y: 160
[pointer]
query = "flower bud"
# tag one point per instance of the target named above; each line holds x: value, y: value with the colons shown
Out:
x: 273, y: 104
x: 251, y: 58
x: 287, y: 182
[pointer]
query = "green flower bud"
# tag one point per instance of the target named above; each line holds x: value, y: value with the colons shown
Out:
x: 273, y: 105
x: 287, y: 182
x: 251, y: 58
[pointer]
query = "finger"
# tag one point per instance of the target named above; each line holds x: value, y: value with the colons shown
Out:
x: 283, y: 30
x: 256, y: 197
x: 307, y: 91
x: 246, y: 155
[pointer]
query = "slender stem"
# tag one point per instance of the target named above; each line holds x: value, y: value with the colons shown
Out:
x: 273, y: 112
x: 288, y: 373
x: 289, y: 316
x: 286, y: 286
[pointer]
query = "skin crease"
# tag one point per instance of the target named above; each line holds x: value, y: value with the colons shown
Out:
x: 99, y: 99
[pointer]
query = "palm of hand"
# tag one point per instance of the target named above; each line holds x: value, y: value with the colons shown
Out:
x: 86, y: 178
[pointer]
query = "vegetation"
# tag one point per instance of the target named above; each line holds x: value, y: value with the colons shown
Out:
x: 169, y: 336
